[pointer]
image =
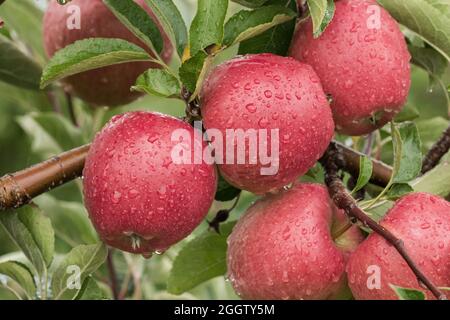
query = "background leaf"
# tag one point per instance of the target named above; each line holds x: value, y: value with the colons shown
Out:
x: 250, y: 3
x: 21, y: 275
x: 16, y: 68
x: 408, y: 294
x: 207, y: 26
x: 190, y: 70
x: 199, y: 260
x: 428, y: 18
x: 88, y: 258
x: 33, y: 234
x: 172, y: 21
x: 137, y: 20
x: 90, y: 54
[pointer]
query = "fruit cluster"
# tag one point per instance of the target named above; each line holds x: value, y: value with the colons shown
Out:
x: 287, y: 245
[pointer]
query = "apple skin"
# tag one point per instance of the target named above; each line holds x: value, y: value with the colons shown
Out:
x: 133, y: 188
x: 282, y: 248
x: 422, y: 221
x: 265, y: 91
x: 366, y: 70
x: 107, y: 86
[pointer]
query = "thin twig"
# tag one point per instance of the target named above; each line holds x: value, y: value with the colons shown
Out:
x: 20, y: 188
x: 112, y: 274
x: 439, y: 149
x: 332, y: 161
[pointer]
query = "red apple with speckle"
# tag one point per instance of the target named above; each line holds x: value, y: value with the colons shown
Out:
x: 422, y: 221
x: 282, y: 248
x: 139, y: 196
x: 362, y: 60
x: 107, y: 86
x: 272, y: 95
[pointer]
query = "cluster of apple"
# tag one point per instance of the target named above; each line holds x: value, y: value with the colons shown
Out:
x: 140, y: 201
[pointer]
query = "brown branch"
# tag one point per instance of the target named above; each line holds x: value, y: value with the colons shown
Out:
x: 20, y: 188
x: 332, y: 161
x: 381, y: 174
x: 439, y: 149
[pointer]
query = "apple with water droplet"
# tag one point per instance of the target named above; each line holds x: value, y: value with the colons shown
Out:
x: 362, y: 61
x: 274, y: 116
x: 422, y: 222
x: 107, y: 86
x: 140, y: 197
x: 283, y: 248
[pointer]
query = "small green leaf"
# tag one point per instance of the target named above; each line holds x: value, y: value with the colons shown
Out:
x: 137, y: 20
x: 78, y: 265
x: 408, y: 294
x: 207, y: 26
x: 190, y: 70
x: 16, y: 68
x: 430, y: 19
x: 250, y: 3
x: 225, y: 191
x: 158, y: 83
x: 275, y: 40
x: 172, y: 21
x: 436, y: 181
x: 90, y: 54
x: 21, y: 275
x: 430, y: 130
x: 90, y: 291
x: 408, y: 113
x: 322, y: 12
x: 407, y: 152
x: 200, y: 260
x: 365, y: 173
x: 248, y: 24
x: 33, y: 234
x: 398, y: 190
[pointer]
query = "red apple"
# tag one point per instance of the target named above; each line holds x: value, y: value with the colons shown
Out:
x: 139, y: 198
x: 282, y: 248
x: 422, y: 221
x: 362, y: 60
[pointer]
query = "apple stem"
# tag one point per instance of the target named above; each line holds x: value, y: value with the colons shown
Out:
x: 332, y: 161
x: 439, y: 149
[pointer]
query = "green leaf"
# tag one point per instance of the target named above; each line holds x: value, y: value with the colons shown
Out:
x: 407, y: 152
x: 322, y: 12
x: 430, y: 130
x: 250, y: 3
x: 365, y: 173
x: 190, y: 70
x: 16, y: 68
x: 21, y: 275
x: 398, y: 190
x: 275, y: 40
x: 200, y: 260
x: 408, y: 294
x: 25, y: 18
x: 225, y: 191
x: 159, y: 83
x: 85, y: 259
x: 248, y: 24
x: 137, y: 20
x: 33, y: 234
x: 172, y: 21
x: 207, y: 26
x: 90, y: 54
x: 436, y: 181
x: 90, y: 290
x: 428, y: 18
x: 408, y: 113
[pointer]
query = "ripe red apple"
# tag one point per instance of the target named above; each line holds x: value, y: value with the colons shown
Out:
x: 139, y: 198
x: 362, y: 60
x: 422, y: 221
x: 108, y: 86
x: 272, y: 95
x: 282, y: 247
